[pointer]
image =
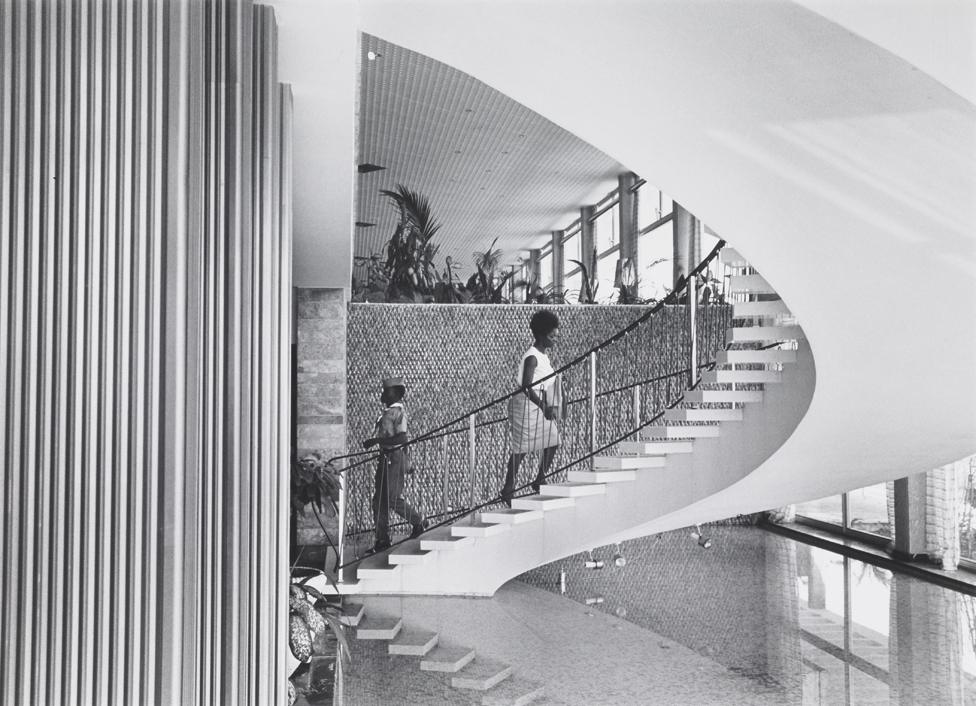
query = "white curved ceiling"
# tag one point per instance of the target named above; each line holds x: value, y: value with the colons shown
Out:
x: 847, y: 176
x: 489, y: 166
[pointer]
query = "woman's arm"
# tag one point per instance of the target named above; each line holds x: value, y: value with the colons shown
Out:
x: 528, y: 373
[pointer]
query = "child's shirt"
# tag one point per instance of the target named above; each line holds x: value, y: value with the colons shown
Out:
x: 393, y: 421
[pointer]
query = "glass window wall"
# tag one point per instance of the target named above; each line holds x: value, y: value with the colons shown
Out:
x: 825, y: 509
x: 868, y: 510
x: 545, y: 270
x: 654, y: 263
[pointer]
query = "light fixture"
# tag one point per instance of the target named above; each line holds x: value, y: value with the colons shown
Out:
x: 618, y: 559
x: 593, y: 600
x: 373, y: 55
x: 592, y: 563
x: 703, y: 541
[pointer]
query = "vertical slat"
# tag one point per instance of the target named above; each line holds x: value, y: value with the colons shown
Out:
x: 7, y: 586
x: 144, y: 330
x: 279, y: 639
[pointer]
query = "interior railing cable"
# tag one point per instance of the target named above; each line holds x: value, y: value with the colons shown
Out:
x: 612, y: 392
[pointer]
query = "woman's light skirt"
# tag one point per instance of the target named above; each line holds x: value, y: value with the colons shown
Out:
x: 531, y: 431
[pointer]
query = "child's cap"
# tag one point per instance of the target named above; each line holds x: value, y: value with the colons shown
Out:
x: 393, y: 382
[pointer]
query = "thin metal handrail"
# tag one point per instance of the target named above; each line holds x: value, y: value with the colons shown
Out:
x: 462, y: 512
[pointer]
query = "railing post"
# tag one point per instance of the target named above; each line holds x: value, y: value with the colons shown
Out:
x: 693, y: 312
x: 593, y: 401
x: 472, y: 455
x: 341, y: 524
x: 446, y: 474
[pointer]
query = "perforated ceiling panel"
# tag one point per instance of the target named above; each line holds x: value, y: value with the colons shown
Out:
x: 489, y: 165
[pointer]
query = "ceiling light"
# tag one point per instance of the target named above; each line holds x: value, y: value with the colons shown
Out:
x: 372, y: 55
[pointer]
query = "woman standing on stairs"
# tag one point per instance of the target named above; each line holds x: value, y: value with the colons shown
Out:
x: 531, y: 414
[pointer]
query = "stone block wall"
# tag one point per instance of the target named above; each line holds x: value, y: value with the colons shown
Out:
x: 320, y: 371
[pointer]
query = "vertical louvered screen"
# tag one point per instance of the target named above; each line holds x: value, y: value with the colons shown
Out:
x: 145, y: 279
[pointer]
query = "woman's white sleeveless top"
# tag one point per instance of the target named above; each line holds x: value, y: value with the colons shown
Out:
x: 542, y: 369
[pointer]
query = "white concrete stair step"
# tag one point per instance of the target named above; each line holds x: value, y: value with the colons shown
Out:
x: 444, y: 658
x: 573, y: 489
x: 724, y: 396
x: 442, y: 540
x: 379, y: 628
x: 770, y: 355
x: 601, y: 476
x: 415, y: 643
x: 511, y: 516
x: 479, y: 529
x: 662, y: 447
x: 351, y: 613
x: 668, y: 431
x: 731, y: 257
x: 763, y: 334
x: 753, y: 284
x: 410, y: 552
x: 376, y: 567
x: 741, y: 376
x: 545, y: 503
x: 628, y: 463
x: 481, y: 675
x: 685, y: 414
x: 514, y: 691
x: 746, y: 310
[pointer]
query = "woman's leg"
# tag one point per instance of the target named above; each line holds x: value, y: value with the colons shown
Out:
x: 514, y: 461
x: 548, y: 454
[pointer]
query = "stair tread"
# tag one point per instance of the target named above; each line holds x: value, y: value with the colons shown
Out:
x: 390, y: 627
x: 446, y: 658
x: 351, y: 613
x: 511, y: 515
x: 413, y: 641
x: 514, y: 691
x: 603, y: 476
x: 481, y: 674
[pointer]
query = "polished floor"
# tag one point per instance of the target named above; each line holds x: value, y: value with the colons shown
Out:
x: 755, y: 619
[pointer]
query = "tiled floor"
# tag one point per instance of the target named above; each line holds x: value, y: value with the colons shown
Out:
x: 756, y: 619
x: 583, y: 656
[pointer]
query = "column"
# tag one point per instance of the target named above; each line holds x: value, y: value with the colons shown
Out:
x: 686, y: 241
x: 558, y: 263
x: 910, y: 516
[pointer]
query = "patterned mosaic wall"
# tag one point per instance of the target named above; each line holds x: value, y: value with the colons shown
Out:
x: 456, y: 358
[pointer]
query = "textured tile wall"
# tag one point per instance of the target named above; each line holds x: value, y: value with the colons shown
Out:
x: 456, y: 358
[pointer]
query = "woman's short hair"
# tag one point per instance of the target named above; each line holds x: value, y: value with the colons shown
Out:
x: 543, y: 323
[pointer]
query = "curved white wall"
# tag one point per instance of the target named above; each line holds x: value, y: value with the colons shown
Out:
x: 844, y: 174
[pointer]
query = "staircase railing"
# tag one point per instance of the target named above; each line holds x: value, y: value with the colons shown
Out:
x: 613, y: 391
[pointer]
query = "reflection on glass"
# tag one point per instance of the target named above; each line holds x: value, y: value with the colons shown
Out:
x: 654, y: 270
x: 966, y: 499
x: 545, y: 270
x: 571, y: 250
x: 868, y: 509
x: 825, y: 509
x: 605, y: 270
x: 606, y: 228
x: 801, y: 624
x: 572, y: 285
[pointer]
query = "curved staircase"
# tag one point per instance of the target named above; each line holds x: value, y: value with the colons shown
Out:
x: 739, y: 413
